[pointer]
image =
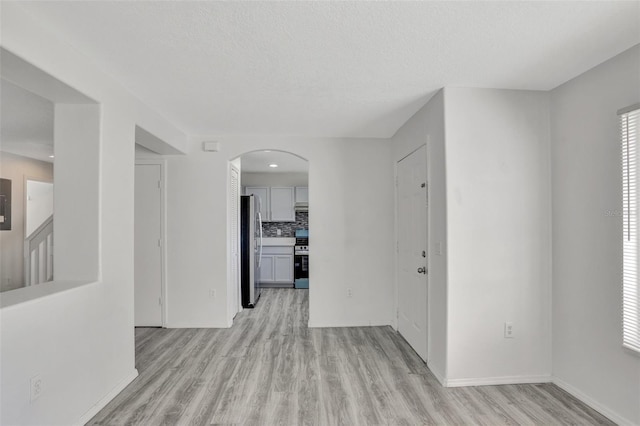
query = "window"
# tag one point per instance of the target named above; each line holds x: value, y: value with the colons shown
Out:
x: 629, y: 122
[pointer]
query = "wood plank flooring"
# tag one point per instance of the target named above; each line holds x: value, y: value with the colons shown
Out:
x: 270, y: 369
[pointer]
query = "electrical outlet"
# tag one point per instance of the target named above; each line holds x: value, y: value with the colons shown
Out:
x: 439, y: 248
x: 212, y: 294
x: 279, y: 232
x: 36, y: 388
x: 508, y: 330
x: 349, y: 292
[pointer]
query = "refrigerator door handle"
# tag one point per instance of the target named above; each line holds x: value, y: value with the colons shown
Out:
x: 260, y: 245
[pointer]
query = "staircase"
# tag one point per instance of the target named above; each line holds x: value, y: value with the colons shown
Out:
x: 38, y: 254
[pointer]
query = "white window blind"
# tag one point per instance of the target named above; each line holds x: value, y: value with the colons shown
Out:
x: 629, y: 121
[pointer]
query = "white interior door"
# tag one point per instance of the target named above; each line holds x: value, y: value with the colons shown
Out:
x: 412, y: 250
x: 148, y: 250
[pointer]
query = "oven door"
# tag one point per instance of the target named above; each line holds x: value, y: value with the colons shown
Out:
x: 301, y: 266
x: 301, y: 270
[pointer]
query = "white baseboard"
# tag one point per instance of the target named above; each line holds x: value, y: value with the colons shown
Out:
x: 198, y: 325
x: 107, y: 398
x: 591, y: 402
x: 328, y: 324
x: 438, y: 374
x: 490, y: 381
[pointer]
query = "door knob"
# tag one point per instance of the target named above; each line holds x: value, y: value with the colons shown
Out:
x: 422, y: 270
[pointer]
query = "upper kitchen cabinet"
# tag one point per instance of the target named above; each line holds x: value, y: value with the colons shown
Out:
x: 302, y: 194
x: 277, y: 203
x: 263, y: 194
x: 302, y: 199
x: 282, y: 204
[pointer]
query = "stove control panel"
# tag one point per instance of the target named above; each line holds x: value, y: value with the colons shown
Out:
x: 301, y: 250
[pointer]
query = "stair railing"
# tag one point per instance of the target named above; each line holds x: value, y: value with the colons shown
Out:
x: 38, y: 254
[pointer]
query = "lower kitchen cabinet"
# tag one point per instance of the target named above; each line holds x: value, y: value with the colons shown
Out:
x: 277, y: 265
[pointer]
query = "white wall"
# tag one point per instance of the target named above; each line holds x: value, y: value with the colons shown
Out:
x: 275, y: 179
x: 588, y: 358
x: 498, y: 229
x: 17, y: 169
x: 80, y: 341
x: 80, y: 338
x: 488, y: 162
x: 76, y: 202
x: 39, y: 204
x: 428, y: 124
x: 351, y: 183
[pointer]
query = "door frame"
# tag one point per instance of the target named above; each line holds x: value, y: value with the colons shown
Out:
x: 426, y: 145
x: 230, y: 162
x: 163, y: 234
x: 234, y: 301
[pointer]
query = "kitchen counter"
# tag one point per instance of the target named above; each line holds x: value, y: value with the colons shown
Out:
x: 278, y: 241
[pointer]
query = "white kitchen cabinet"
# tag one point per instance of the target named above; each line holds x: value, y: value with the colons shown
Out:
x: 283, y: 268
x: 282, y: 204
x: 302, y: 194
x: 277, y: 265
x: 263, y: 194
x: 276, y: 203
x: 267, y: 274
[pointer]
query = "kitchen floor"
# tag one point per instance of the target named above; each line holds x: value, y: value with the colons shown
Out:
x: 269, y: 369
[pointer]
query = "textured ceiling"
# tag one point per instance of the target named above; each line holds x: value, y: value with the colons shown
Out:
x: 258, y: 162
x: 354, y: 69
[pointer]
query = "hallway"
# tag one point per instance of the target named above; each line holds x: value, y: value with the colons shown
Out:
x: 269, y: 368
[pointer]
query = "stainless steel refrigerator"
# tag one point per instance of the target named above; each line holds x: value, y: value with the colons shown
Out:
x: 250, y: 249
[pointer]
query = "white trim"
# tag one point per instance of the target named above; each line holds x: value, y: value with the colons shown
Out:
x: 429, y: 243
x: 233, y: 307
x: 591, y: 402
x: 370, y: 323
x: 502, y: 380
x: 438, y: 374
x: 163, y: 233
x: 107, y: 398
x: 396, y: 240
x: 225, y: 324
x: 165, y: 262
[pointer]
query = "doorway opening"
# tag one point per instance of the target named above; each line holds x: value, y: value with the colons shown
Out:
x: 149, y: 244
x: 276, y: 184
x: 150, y: 257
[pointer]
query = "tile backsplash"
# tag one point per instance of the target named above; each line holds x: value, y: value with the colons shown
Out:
x: 270, y: 229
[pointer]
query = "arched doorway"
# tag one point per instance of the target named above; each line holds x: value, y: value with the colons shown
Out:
x: 278, y: 182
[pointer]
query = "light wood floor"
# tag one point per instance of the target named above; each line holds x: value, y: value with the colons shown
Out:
x: 270, y: 369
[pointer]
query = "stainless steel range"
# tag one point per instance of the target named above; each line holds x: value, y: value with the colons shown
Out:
x: 301, y: 259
